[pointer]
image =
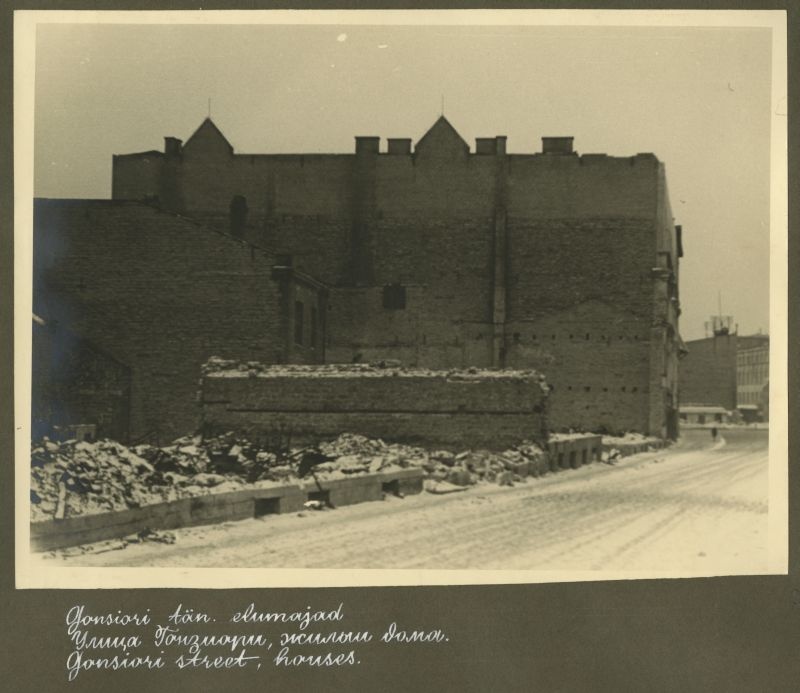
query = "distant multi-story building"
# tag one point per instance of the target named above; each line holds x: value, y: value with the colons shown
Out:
x: 752, y: 378
x: 727, y: 372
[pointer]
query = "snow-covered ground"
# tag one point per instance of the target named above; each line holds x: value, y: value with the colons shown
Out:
x: 697, y: 506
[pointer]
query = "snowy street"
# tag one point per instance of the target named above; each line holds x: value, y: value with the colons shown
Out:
x: 697, y: 506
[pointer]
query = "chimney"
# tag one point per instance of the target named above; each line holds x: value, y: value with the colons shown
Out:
x: 367, y: 145
x: 397, y: 145
x: 490, y: 145
x: 172, y: 146
x: 557, y: 145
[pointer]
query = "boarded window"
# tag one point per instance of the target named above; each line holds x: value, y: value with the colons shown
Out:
x: 298, y: 322
x: 394, y: 297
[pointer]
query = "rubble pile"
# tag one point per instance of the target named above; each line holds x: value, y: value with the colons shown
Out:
x: 629, y: 437
x: 219, y: 367
x: 78, y: 478
x: 352, y: 453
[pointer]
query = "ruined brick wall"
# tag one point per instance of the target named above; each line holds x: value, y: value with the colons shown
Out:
x: 159, y: 294
x: 363, y: 330
x: 421, y: 407
x: 73, y: 382
x: 708, y: 372
x: 596, y: 356
x: 583, y: 236
x: 492, y: 249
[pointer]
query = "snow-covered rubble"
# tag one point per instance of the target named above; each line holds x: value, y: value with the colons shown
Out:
x: 225, y: 368
x: 77, y: 478
x: 629, y: 438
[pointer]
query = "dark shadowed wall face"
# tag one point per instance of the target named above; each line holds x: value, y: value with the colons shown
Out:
x: 74, y: 383
x: 708, y: 372
x: 159, y: 294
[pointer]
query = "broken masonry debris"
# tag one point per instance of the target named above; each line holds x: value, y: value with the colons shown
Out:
x: 71, y: 478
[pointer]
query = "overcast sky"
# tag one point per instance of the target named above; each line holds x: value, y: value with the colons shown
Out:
x: 699, y: 98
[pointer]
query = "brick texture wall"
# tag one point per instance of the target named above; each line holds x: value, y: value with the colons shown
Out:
x: 431, y: 408
x: 491, y: 248
x: 597, y: 358
x: 158, y: 293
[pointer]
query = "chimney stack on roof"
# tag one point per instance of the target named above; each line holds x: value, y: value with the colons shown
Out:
x: 557, y: 145
x: 491, y: 145
x: 367, y: 145
x: 172, y: 146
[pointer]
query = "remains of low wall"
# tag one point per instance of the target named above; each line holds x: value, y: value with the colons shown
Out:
x: 476, y: 408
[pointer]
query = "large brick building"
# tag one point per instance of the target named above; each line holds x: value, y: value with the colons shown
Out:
x: 157, y: 294
x: 440, y: 256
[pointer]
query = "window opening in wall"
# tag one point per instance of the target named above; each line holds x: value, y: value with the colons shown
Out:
x: 587, y: 335
x: 516, y: 337
x: 238, y: 215
x: 313, y: 327
x: 623, y: 388
x: 534, y: 336
x: 266, y: 506
x: 634, y: 389
x: 298, y: 322
x: 394, y: 297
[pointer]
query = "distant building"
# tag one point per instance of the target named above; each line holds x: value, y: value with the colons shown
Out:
x: 708, y: 372
x: 704, y: 415
x: 752, y: 378
x: 728, y: 371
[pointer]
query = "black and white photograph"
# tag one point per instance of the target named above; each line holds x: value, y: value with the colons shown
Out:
x: 399, y: 297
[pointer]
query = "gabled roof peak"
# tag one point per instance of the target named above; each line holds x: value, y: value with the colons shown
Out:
x: 442, y: 134
x: 209, y: 127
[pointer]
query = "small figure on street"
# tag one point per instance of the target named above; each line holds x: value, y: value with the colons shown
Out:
x: 714, y: 432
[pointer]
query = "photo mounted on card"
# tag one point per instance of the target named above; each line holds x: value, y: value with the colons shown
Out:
x: 399, y: 297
